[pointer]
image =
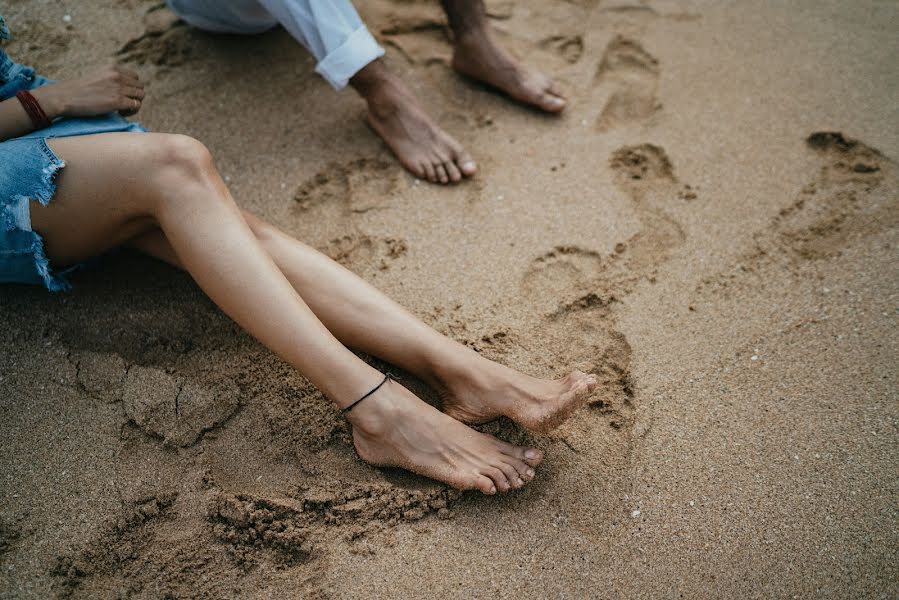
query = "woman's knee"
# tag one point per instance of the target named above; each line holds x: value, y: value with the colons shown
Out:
x: 183, y: 156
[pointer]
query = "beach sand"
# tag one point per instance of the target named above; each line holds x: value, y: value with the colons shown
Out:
x: 711, y: 226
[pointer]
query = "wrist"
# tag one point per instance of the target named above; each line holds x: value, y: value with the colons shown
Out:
x: 52, y: 105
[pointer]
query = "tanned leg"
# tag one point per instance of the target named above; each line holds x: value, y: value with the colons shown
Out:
x: 473, y: 388
x: 477, y: 55
x: 118, y: 186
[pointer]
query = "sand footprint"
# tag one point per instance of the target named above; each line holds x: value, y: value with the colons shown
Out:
x: 633, y: 74
x: 363, y: 253
x: 165, y: 41
x: 852, y: 198
x: 645, y: 173
x: 352, y: 188
x: 569, y: 47
x: 577, y: 289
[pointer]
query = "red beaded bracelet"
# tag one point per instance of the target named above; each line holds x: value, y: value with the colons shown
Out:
x: 33, y: 108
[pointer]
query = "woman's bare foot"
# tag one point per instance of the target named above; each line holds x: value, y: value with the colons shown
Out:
x: 419, y: 144
x: 478, y: 390
x: 394, y: 428
x: 478, y: 56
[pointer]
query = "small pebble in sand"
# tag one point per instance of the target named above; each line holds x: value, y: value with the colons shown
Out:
x: 583, y: 121
x: 754, y: 357
x: 635, y: 514
x: 67, y: 18
x: 692, y: 503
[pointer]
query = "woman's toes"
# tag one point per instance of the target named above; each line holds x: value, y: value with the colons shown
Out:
x: 532, y: 456
x: 512, y: 476
x: 498, y: 477
x: 484, y: 484
x: 525, y: 472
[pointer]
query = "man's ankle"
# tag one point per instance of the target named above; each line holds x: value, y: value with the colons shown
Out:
x: 371, y: 78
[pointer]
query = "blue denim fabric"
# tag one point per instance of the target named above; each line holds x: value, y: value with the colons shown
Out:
x: 27, y: 170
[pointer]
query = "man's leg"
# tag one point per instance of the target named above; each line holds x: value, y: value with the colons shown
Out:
x: 477, y: 55
x: 347, y: 53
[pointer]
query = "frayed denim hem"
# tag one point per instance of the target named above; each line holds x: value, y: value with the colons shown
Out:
x: 16, y: 216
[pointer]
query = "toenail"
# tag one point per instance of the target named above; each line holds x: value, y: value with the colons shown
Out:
x: 532, y: 454
x: 530, y: 472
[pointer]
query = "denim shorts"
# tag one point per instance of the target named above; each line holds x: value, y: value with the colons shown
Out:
x: 27, y: 170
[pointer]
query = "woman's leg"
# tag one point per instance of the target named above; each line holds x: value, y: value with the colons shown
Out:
x: 117, y: 186
x: 473, y: 388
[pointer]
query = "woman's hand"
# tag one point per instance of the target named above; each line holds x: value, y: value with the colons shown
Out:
x: 110, y: 89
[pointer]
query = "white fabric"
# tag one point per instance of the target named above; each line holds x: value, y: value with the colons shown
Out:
x: 330, y: 29
x: 22, y: 214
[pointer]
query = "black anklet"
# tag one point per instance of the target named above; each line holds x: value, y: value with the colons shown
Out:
x: 387, y: 377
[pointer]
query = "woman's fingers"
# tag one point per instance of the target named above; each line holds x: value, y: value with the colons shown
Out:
x: 134, y: 92
x: 129, y: 106
x: 127, y: 72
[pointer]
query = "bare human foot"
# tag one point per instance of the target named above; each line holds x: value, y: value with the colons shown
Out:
x: 416, y: 140
x: 478, y: 56
x: 394, y: 428
x: 477, y: 390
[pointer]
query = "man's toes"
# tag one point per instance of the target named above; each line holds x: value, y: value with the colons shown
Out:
x: 466, y: 163
x: 442, y: 175
x: 430, y: 173
x: 453, y: 171
x: 498, y: 477
x: 551, y: 102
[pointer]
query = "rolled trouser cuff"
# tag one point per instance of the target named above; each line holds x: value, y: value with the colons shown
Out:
x: 345, y: 61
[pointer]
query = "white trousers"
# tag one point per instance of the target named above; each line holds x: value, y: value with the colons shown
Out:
x: 330, y: 29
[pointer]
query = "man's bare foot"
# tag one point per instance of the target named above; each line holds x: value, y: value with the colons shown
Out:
x: 478, y: 56
x: 419, y: 144
x: 394, y: 428
x: 482, y: 390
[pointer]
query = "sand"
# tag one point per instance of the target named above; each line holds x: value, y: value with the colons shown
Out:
x: 711, y: 227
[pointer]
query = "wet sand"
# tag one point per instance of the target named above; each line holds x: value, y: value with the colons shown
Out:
x: 711, y: 226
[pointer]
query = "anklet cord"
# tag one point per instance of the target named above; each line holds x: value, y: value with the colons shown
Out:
x: 387, y: 378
